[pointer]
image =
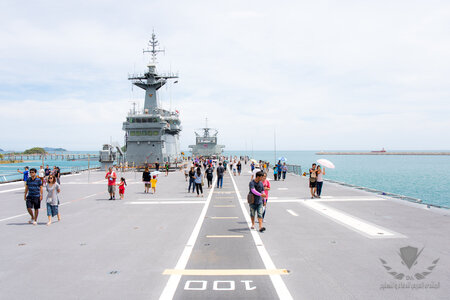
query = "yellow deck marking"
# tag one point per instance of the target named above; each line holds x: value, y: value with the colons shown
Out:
x: 224, y: 217
x: 226, y: 272
x: 224, y: 236
x: 224, y: 205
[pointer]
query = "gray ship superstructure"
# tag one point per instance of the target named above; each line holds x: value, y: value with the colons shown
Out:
x: 152, y: 134
x: 206, y: 143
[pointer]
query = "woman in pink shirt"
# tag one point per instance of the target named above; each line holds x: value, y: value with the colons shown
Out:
x: 266, y: 185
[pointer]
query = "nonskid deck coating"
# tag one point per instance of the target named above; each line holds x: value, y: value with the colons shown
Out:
x: 120, y: 249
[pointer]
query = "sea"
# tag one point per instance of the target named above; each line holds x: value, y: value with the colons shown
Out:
x: 419, y: 176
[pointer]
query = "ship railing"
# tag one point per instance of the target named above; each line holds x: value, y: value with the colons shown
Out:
x: 295, y: 169
x: 387, y: 194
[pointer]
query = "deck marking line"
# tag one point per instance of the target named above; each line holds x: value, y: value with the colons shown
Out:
x: 11, y: 190
x: 174, y: 279
x: 224, y: 236
x: 361, y: 226
x: 282, y: 189
x: 9, y: 218
x: 225, y: 272
x: 278, y: 283
x: 167, y: 202
x: 219, y: 218
x: 224, y: 205
x: 292, y: 212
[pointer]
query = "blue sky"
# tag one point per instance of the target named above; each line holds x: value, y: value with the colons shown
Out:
x: 323, y: 74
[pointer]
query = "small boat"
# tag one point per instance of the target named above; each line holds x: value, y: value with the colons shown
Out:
x: 379, y: 151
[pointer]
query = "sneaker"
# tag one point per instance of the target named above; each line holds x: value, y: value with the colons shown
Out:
x: 110, y: 198
x: 262, y: 229
x: 31, y: 221
x: 34, y: 222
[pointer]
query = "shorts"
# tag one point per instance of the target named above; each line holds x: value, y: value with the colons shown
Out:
x: 33, y: 202
x: 52, y: 210
x: 111, y: 189
x: 258, y: 208
x: 147, y: 185
x: 312, y: 184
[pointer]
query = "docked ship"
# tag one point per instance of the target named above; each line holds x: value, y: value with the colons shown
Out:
x: 152, y: 134
x: 206, y: 143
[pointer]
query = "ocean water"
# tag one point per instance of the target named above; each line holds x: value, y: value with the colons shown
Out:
x: 423, y: 177
x: 9, y: 171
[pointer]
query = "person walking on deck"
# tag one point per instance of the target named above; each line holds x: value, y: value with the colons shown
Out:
x: 166, y: 168
x: 146, y: 179
x: 153, y: 181
x: 239, y: 167
x: 283, y: 171
x: 47, y: 172
x: 33, y: 195
x: 220, y: 171
x: 275, y: 173
x: 319, y: 180
x: 122, y: 185
x: 312, y: 180
x: 266, y: 184
x: 191, y: 180
x: 209, y: 175
x: 42, y: 174
x: 256, y: 187
x: 53, y: 190
x: 199, y: 181
x: 279, y: 169
x: 111, y: 176
x: 26, y: 174
x: 157, y: 165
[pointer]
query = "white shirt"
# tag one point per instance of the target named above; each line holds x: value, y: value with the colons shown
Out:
x: 41, y: 172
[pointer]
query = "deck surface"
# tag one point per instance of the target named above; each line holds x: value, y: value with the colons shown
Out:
x: 174, y: 245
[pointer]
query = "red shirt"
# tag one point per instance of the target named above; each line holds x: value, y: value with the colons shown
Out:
x: 111, y: 179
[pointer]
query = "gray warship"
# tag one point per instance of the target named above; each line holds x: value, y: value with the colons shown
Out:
x: 206, y: 143
x: 152, y: 134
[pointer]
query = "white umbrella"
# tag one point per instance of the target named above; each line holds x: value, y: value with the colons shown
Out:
x: 326, y: 163
x: 282, y: 159
x: 155, y: 173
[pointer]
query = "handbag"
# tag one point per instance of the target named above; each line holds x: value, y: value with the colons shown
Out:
x: 250, y: 198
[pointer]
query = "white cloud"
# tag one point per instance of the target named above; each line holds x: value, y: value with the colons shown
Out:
x: 324, y: 74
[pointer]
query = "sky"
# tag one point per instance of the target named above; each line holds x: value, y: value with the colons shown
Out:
x: 310, y: 75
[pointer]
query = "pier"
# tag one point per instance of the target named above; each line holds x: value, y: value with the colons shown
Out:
x: 381, y: 153
x: 174, y: 245
x: 25, y: 157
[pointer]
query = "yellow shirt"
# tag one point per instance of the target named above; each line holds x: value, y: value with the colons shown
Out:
x: 153, y: 182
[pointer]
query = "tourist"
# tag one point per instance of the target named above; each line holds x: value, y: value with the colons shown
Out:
x: 266, y: 185
x: 312, y: 180
x: 220, y: 171
x: 153, y: 181
x: 319, y: 180
x: 252, y: 166
x: 122, y: 185
x: 41, y: 174
x: 33, y: 195
x: 256, y: 187
x: 199, y: 181
x: 256, y: 169
x: 186, y: 173
x: 146, y: 179
x: 111, y: 176
x: 47, y: 172
x: 209, y: 175
x: 279, y: 169
x: 25, y: 175
x: 234, y: 167
x: 239, y: 167
x: 157, y: 165
x: 275, y: 173
x: 52, y: 199
x: 284, y: 170
x: 191, y: 180
x: 166, y: 167
x: 58, y: 175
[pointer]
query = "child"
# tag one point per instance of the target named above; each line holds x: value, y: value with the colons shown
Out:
x: 275, y: 173
x: 122, y: 185
x: 153, y: 181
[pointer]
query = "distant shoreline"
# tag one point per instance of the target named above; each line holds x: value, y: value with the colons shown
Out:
x: 382, y: 153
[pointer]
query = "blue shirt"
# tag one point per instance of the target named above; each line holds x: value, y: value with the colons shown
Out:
x: 34, y: 187
x: 25, y: 175
x: 259, y: 187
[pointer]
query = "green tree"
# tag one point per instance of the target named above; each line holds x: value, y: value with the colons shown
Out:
x: 35, y: 150
x: 1, y: 156
x: 124, y: 148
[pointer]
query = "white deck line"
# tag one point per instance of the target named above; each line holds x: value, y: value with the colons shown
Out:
x: 11, y: 190
x: 167, y: 202
x: 292, y: 212
x: 361, y: 226
x: 174, y: 279
x: 277, y: 281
